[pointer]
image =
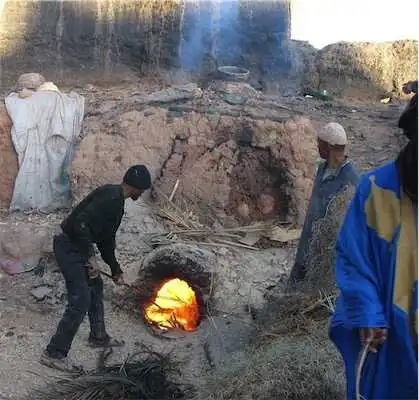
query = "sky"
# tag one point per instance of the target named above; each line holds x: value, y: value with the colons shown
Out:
x: 322, y: 22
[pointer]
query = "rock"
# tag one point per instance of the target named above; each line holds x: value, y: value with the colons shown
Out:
x: 175, y: 93
x: 30, y: 80
x: 41, y: 292
x: 222, y: 251
x: 235, y: 90
x: 24, y: 242
x: 243, y: 210
x: 233, y: 99
x: 266, y: 204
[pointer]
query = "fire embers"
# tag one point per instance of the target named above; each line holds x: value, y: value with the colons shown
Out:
x: 175, y: 306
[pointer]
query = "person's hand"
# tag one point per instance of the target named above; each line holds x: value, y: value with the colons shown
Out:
x: 373, y: 336
x: 93, y: 268
x: 118, y: 279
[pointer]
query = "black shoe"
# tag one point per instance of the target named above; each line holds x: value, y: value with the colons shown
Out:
x: 60, y: 364
x: 107, y: 342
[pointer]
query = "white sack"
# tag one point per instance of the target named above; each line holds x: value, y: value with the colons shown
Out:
x: 45, y: 129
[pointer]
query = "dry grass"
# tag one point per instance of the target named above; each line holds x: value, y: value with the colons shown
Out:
x: 291, y: 357
x: 293, y: 314
x: 364, y: 70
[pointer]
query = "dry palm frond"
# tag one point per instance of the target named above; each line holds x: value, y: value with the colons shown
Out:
x: 222, y: 236
x: 141, y: 376
x: 184, y: 225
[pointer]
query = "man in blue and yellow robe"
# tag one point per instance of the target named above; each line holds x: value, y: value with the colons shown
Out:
x: 376, y: 272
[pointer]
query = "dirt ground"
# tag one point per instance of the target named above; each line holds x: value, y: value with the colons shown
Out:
x: 26, y: 324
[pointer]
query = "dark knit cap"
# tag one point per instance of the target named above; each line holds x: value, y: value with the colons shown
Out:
x: 138, y: 177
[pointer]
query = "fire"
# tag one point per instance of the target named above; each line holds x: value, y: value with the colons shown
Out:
x: 175, y: 306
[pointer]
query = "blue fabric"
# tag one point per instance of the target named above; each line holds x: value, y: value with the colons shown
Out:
x: 324, y: 190
x: 365, y: 270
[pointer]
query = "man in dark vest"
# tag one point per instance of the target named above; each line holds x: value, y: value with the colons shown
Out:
x: 94, y: 221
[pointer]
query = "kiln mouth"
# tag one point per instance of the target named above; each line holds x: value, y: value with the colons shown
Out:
x: 175, y: 305
x: 176, y: 289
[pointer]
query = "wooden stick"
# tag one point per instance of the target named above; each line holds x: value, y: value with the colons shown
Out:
x: 174, y: 190
x: 227, y: 242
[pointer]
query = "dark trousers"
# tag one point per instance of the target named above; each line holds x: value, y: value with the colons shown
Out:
x: 84, y: 296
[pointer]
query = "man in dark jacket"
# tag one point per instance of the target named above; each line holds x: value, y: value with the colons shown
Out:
x: 94, y: 221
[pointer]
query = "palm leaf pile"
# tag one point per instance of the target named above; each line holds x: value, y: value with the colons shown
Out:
x: 142, y: 376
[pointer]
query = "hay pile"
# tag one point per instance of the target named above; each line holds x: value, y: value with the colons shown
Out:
x: 364, y: 70
x: 286, y: 363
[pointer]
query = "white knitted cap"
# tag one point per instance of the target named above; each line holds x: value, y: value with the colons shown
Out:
x: 334, y: 134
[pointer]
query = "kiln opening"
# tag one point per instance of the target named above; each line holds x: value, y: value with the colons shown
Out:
x: 177, y: 288
x: 175, y: 305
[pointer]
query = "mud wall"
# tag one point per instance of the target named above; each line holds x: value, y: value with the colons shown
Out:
x: 230, y: 169
x: 61, y: 38
x: 68, y: 39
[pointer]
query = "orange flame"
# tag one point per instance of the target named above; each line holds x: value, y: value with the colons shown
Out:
x: 175, y: 306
